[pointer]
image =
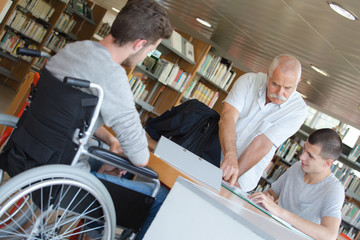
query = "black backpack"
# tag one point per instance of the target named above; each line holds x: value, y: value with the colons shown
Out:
x: 192, y: 125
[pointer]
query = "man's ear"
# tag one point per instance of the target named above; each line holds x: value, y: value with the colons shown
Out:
x: 138, y: 44
x: 328, y: 162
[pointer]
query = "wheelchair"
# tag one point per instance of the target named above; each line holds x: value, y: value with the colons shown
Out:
x: 54, y: 199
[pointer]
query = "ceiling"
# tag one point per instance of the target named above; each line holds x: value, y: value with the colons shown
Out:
x: 252, y: 32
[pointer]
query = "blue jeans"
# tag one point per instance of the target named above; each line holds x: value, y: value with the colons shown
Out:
x: 142, y: 187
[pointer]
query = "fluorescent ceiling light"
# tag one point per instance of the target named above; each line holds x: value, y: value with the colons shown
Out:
x: 342, y: 11
x: 115, y: 9
x: 203, y: 22
x: 303, y: 96
x: 322, y: 72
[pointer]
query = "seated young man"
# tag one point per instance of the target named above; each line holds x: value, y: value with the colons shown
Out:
x: 310, y: 196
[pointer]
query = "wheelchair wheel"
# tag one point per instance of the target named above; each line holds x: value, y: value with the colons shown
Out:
x: 55, y: 202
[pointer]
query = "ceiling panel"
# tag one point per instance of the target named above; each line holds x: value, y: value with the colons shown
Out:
x: 251, y: 33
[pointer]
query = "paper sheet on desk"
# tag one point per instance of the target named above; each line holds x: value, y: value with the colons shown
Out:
x: 239, y: 192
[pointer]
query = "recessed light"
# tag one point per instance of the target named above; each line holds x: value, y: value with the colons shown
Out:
x: 203, y: 22
x: 342, y: 11
x: 308, y: 82
x: 322, y: 72
x: 115, y: 9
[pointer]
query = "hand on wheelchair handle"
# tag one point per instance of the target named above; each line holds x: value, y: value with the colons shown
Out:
x: 111, y: 170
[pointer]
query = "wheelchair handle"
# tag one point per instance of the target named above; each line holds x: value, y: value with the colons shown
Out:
x: 76, y: 82
x: 31, y: 52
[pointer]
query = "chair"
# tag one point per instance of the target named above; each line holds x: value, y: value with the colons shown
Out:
x: 46, y: 198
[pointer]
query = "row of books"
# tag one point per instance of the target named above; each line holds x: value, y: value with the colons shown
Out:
x: 38, y: 8
x: 205, y: 95
x: 40, y: 62
x: 217, y: 70
x: 261, y: 188
x: 350, y: 233
x: 280, y: 169
x: 55, y: 41
x: 66, y: 23
x: 27, y: 26
x: 351, y: 214
x: 288, y: 149
x: 171, y: 74
x: 10, y: 41
x: 347, y: 177
x: 355, y: 153
x: 191, y: 86
x: 138, y: 86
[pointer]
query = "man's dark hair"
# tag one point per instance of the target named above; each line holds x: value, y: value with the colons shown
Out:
x: 329, y: 141
x: 141, y: 19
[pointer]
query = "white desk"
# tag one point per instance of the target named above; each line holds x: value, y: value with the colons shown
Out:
x: 168, y: 175
x: 194, y: 212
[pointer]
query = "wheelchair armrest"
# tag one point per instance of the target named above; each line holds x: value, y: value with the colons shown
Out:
x: 8, y: 120
x: 122, y: 162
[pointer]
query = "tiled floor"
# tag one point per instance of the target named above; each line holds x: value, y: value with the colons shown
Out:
x: 6, y: 97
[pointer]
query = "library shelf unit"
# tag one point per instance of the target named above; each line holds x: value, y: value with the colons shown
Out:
x: 162, y: 94
x: 284, y: 158
x: 35, y: 24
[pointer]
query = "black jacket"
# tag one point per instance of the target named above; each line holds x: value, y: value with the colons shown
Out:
x: 192, y: 125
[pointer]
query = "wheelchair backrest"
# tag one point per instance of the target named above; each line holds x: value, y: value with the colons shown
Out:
x: 45, y: 132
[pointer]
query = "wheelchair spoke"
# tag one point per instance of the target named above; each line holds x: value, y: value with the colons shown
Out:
x: 57, y: 206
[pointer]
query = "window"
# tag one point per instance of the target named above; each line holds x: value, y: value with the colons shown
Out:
x: 317, y: 120
x: 310, y: 116
x: 351, y: 136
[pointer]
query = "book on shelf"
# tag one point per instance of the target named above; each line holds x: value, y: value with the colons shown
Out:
x: 26, y: 26
x: 205, y: 95
x: 217, y: 70
x: 351, y: 213
x: 347, y: 177
x: 191, y: 86
x: 172, y: 75
x: 163, y: 75
x: 278, y: 172
x: 38, y: 8
x: 137, y: 85
x: 355, y: 153
x: 176, y: 41
x: 189, y: 50
x: 55, y: 41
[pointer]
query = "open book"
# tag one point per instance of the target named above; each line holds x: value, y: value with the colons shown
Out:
x: 239, y: 192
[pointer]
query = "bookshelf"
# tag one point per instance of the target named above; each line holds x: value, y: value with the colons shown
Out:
x: 168, y: 76
x: 176, y: 78
x: 288, y: 153
x: 44, y: 25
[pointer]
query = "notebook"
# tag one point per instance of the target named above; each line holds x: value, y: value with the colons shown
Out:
x: 188, y: 162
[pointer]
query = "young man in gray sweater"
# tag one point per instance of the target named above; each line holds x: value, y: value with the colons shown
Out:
x: 138, y: 29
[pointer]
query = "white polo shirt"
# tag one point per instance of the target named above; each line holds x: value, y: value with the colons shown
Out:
x: 277, y: 121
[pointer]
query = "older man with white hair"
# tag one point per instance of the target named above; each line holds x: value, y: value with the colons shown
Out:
x: 259, y: 114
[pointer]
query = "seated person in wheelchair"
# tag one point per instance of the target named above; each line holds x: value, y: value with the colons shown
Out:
x: 138, y: 29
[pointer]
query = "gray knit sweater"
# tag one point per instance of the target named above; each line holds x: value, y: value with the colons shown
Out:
x: 91, y: 61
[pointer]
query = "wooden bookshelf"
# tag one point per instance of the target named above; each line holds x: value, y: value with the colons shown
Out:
x: 13, y: 68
